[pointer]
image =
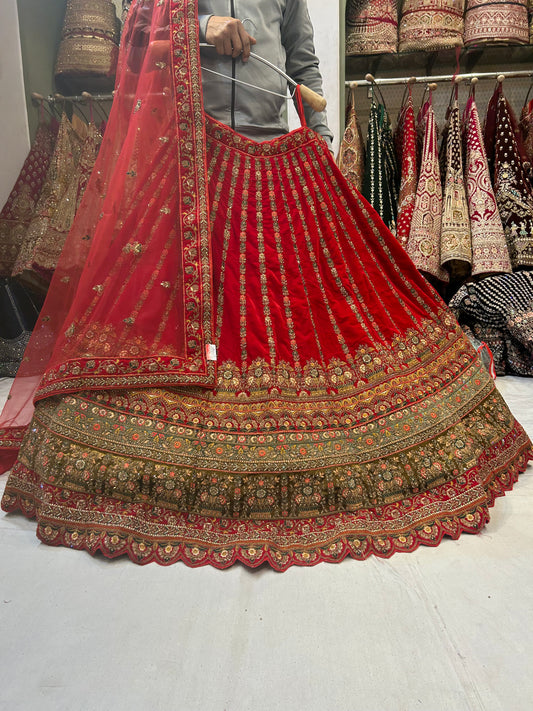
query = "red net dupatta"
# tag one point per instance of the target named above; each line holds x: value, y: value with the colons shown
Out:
x: 130, y: 304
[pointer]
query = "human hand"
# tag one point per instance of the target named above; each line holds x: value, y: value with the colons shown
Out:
x: 229, y: 37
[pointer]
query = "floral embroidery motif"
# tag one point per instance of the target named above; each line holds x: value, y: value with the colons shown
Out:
x: 496, y: 22
x: 514, y: 192
x: 405, y: 142
x: 423, y: 245
x: 371, y: 26
x: 351, y: 158
x: 489, y: 247
x: 456, y: 240
x: 430, y: 25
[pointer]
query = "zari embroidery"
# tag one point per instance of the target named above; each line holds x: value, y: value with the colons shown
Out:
x: 489, y: 247
x: 456, y: 242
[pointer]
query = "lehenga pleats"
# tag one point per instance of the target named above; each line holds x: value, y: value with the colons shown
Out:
x: 350, y: 415
x: 130, y: 302
x: 347, y: 414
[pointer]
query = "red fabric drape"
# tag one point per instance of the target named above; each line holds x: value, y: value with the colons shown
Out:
x: 130, y: 302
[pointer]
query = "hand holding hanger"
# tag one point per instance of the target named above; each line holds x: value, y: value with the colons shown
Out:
x: 160, y: 52
x: 228, y: 36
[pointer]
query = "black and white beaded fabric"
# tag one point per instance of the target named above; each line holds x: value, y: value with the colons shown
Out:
x: 18, y: 314
x: 499, y: 311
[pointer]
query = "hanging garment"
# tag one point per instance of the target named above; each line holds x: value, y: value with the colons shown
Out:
x: 347, y: 415
x: 371, y: 26
x: 499, y: 311
x: 88, y: 51
x: 57, y: 205
x: 430, y: 25
x: 381, y: 175
x: 48, y: 246
x: 21, y: 203
x: 526, y: 129
x: 513, y: 190
x: 351, y: 158
x: 406, y: 151
x: 456, y: 239
x: 125, y: 9
x: 496, y: 22
x: 489, y: 247
x: 18, y: 314
x: 423, y: 245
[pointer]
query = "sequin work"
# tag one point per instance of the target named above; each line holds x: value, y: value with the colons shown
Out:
x: 334, y: 429
x: 406, y: 150
x: 351, y: 158
x: 347, y: 413
x: 489, y: 247
x: 513, y: 190
x: 455, y: 241
x: 423, y: 245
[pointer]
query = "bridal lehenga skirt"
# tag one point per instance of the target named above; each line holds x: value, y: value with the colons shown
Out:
x: 350, y: 416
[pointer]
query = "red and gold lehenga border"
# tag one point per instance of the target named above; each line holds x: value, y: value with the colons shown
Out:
x: 350, y: 415
x: 292, y: 478
x: 146, y: 203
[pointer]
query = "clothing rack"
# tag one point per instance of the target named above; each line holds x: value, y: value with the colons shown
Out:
x: 83, y: 97
x: 369, y: 80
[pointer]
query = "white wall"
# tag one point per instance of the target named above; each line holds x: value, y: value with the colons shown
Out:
x: 14, y: 136
x: 326, y: 21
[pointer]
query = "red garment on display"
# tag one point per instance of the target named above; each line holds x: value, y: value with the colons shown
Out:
x: 156, y: 327
x: 423, y: 245
x: 22, y: 201
x: 348, y: 415
x: 406, y: 145
x: 512, y: 188
x: 490, y: 254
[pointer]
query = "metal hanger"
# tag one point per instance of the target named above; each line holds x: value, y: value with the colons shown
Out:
x: 314, y: 100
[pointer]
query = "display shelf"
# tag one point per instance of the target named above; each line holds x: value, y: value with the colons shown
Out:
x: 424, y: 63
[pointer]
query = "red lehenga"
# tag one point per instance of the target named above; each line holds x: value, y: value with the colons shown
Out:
x: 346, y: 413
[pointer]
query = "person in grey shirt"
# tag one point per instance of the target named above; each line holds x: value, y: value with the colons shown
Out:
x: 278, y: 30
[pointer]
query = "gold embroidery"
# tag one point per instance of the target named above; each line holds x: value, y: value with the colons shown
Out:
x: 135, y: 247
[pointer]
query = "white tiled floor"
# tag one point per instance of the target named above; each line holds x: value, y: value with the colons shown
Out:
x: 446, y: 629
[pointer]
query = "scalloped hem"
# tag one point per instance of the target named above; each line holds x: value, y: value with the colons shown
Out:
x: 149, y: 534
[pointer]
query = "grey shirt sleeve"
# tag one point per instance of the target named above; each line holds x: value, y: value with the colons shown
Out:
x: 302, y: 62
x: 203, y: 20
